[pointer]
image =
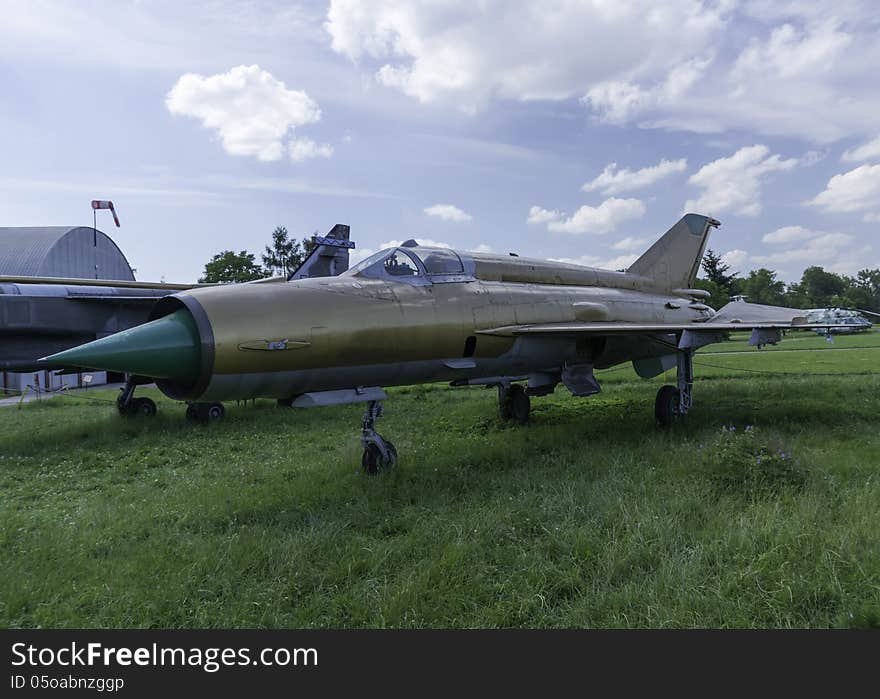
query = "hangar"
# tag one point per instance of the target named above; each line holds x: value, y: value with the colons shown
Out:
x: 70, y: 252
x: 73, y: 252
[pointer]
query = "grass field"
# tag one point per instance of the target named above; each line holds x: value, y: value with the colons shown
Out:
x: 761, y: 510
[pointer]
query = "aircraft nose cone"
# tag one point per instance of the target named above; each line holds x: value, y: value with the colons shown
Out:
x: 165, y: 348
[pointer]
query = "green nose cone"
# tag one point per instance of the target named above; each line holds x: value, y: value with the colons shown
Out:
x: 166, y: 348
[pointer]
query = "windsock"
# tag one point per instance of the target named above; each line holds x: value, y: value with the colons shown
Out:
x: 99, y: 204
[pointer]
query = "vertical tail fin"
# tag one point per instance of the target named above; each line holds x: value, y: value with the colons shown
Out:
x: 674, y: 260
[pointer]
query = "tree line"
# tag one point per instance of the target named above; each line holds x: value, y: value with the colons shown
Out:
x: 282, y: 257
x: 817, y: 288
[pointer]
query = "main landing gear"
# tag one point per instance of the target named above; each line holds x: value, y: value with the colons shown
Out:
x: 205, y: 412
x: 673, y: 402
x: 379, y: 453
x: 514, y: 403
x: 129, y: 406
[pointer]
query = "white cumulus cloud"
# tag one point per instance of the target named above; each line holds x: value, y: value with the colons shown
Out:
x: 734, y: 183
x: 856, y: 190
x: 251, y: 111
x: 614, y: 181
x: 797, y: 247
x: 465, y: 53
x: 599, y: 219
x: 630, y: 243
x: 803, y: 69
x: 539, y: 215
x: 735, y: 258
x: 866, y: 151
x: 301, y: 149
x: 619, y: 101
x: 789, y: 234
x: 823, y: 249
x: 806, y: 77
x: 448, y: 212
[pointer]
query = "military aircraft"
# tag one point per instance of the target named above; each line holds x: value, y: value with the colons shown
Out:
x: 415, y: 314
x: 846, y: 320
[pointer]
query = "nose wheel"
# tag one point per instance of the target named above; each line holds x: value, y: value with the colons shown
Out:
x: 379, y: 453
x: 129, y: 406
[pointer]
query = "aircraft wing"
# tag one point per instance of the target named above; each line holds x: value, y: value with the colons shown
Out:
x: 734, y: 316
x: 121, y: 283
x: 115, y: 299
x: 623, y: 328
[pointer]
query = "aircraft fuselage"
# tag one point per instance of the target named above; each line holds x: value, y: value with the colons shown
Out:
x: 280, y: 340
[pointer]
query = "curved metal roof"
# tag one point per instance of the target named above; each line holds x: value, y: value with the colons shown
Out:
x: 61, y: 251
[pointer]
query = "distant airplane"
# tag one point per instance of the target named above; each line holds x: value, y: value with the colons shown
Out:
x: 417, y: 314
x: 844, y: 321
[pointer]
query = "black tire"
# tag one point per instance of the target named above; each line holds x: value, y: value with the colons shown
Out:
x: 372, y: 462
x: 504, y: 404
x: 193, y: 414
x: 515, y: 404
x: 666, y: 405
x: 392, y: 457
x: 214, y: 411
x: 143, y: 406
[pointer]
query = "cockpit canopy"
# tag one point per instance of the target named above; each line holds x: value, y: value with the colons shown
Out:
x: 415, y: 265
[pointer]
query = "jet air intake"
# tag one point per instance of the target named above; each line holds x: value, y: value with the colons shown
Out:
x: 171, y: 349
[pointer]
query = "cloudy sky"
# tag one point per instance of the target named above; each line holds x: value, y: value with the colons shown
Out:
x: 569, y: 129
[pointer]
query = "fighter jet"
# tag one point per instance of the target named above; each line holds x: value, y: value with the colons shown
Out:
x: 415, y: 314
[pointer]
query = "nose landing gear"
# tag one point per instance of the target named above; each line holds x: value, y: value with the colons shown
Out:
x: 379, y: 453
x: 128, y: 405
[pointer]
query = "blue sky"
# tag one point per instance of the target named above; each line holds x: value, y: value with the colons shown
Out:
x: 481, y: 125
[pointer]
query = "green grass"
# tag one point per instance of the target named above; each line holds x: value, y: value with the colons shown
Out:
x: 589, y: 516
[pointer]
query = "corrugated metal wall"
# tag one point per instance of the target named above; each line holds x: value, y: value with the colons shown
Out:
x: 59, y: 251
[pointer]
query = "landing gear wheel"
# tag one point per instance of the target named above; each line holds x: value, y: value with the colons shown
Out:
x: 214, y: 411
x: 514, y: 403
x: 379, y: 454
x: 143, y: 406
x: 205, y: 412
x: 666, y: 405
x: 372, y: 461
